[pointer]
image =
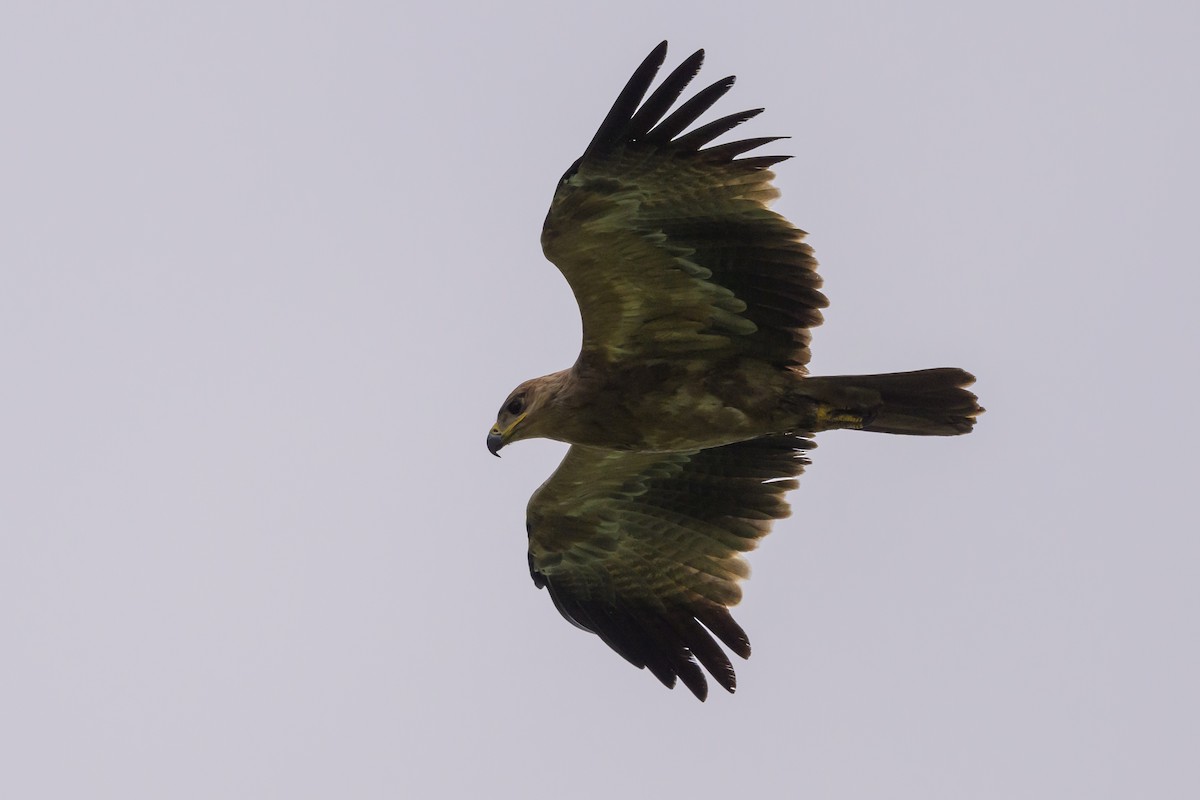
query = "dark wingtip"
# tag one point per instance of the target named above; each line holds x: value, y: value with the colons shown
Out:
x: 636, y: 117
x: 627, y: 101
x: 691, y: 676
x: 661, y: 100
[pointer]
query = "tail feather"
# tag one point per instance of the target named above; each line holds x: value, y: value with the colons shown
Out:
x: 928, y: 402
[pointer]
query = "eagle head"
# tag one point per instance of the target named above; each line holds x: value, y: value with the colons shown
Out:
x: 518, y: 416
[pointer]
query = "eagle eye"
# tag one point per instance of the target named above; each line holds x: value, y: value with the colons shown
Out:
x: 515, y: 405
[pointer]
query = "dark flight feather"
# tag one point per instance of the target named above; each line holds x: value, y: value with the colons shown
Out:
x: 616, y: 122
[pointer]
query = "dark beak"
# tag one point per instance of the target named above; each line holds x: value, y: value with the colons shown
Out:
x: 495, y: 442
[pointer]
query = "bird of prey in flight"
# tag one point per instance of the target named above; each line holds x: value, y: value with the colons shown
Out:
x: 689, y: 409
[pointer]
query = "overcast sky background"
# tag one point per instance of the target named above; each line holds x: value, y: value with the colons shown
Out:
x: 267, y: 270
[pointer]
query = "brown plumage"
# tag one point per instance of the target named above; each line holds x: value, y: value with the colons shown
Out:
x: 690, y: 398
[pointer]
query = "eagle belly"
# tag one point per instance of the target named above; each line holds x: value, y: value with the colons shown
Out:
x: 684, y: 405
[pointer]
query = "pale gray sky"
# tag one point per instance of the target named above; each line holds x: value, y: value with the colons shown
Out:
x: 267, y: 271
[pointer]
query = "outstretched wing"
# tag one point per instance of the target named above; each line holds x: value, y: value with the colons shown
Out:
x: 644, y: 549
x: 668, y: 243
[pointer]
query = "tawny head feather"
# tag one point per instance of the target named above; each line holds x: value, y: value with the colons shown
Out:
x: 519, y: 417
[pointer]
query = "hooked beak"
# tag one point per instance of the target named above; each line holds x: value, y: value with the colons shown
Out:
x: 495, y: 441
x: 498, y: 438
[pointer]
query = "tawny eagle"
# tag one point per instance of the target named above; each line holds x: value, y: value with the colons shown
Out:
x: 689, y: 408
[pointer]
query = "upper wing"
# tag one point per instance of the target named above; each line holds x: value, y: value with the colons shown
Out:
x: 669, y: 248
x: 644, y: 549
